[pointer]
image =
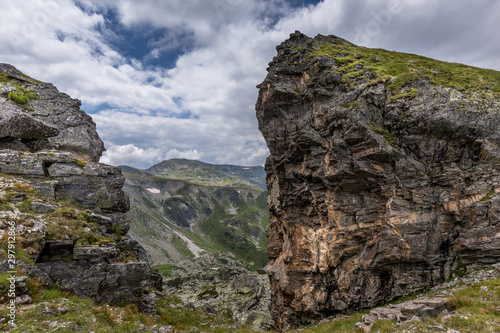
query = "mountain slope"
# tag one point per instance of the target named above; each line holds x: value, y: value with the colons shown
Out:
x: 181, y: 209
x: 208, y: 174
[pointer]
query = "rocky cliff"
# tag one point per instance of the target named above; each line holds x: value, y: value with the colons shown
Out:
x: 383, y: 176
x: 68, y: 210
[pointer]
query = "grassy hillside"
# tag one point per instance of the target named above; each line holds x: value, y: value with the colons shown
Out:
x: 181, y: 209
x: 209, y: 174
x: 364, y: 65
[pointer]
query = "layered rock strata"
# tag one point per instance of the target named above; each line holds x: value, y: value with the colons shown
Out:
x: 383, y: 176
x: 69, y: 210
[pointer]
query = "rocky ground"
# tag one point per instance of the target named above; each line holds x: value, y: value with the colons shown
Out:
x: 440, y: 302
x: 466, y: 303
x: 229, y: 289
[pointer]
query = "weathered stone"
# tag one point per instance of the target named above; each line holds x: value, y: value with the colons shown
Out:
x: 259, y: 320
x: 21, y: 125
x: 46, y: 310
x: 246, y: 284
x: 42, y: 208
x: 63, y: 310
x: 376, y: 201
x: 46, y: 188
x: 54, y: 120
x: 405, y: 312
x: 107, y: 283
x: 6, y: 88
x: 113, y: 223
x: 95, y: 253
x: 209, y: 309
x: 51, y: 145
x: 23, y: 299
x: 92, y: 185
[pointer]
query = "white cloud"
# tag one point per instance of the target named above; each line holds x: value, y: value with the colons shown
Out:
x: 132, y: 155
x: 55, y: 41
x: 156, y: 138
x: 203, y: 107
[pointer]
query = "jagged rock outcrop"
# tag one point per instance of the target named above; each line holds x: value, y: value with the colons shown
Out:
x: 68, y: 209
x: 54, y: 119
x: 383, y: 176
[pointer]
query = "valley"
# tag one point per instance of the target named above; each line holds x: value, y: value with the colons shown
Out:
x: 203, y: 227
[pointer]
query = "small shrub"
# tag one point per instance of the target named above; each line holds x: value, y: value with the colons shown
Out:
x: 18, y: 97
x: 409, y: 95
x: 488, y: 196
x: 128, y: 256
x: 4, y: 287
x: 25, y: 206
x: 131, y: 309
x: 80, y: 163
x: 34, y: 286
x: 5, y: 206
x: 354, y: 104
x: 23, y: 188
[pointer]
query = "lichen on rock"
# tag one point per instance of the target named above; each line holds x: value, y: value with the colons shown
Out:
x: 383, y: 176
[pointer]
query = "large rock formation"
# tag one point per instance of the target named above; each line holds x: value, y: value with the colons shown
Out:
x: 68, y: 210
x: 383, y: 176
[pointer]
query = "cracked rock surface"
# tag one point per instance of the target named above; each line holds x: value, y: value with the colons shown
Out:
x: 68, y: 210
x: 375, y: 191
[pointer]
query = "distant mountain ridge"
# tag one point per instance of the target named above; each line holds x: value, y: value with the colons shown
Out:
x: 182, y: 208
x: 202, y: 173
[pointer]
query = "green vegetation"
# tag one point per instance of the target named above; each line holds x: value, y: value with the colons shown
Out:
x: 67, y: 222
x: 19, y: 97
x: 354, y: 104
x: 72, y: 223
x: 409, y: 95
x: 208, y: 292
x: 230, y: 233
x: 166, y: 270
x: 181, y: 246
x: 72, y: 313
x: 25, y: 205
x: 80, y: 163
x: 196, y: 172
x: 385, y: 133
x: 488, y: 195
x: 398, y: 70
x: 6, y: 78
x: 345, y: 324
x: 218, y: 219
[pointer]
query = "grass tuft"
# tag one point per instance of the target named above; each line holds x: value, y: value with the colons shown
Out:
x: 399, y: 70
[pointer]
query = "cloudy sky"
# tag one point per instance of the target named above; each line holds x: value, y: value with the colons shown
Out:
x: 176, y: 78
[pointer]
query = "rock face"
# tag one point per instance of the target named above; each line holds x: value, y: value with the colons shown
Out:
x: 54, y: 119
x: 383, y: 176
x: 68, y: 209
